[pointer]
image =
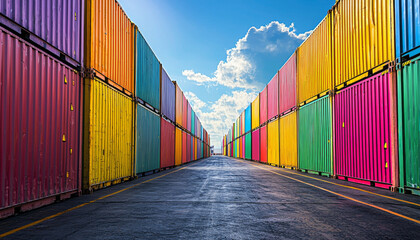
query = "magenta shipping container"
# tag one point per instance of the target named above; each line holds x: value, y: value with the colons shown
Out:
x: 189, y: 148
x: 60, y: 23
x: 362, y: 127
x: 263, y: 106
x: 256, y: 145
x: 188, y: 120
x: 273, y: 97
x: 287, y: 85
x: 40, y: 136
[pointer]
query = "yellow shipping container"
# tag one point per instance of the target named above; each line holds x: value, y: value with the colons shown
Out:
x: 178, y: 146
x: 109, y: 42
x: 363, y: 37
x: 255, y: 113
x: 108, y: 135
x: 288, y: 140
x: 243, y: 122
x: 314, y: 62
x: 273, y: 144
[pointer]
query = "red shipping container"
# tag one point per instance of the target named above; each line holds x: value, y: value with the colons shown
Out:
x: 184, y: 147
x: 273, y: 97
x: 287, y: 85
x: 263, y: 144
x: 40, y: 137
x: 263, y: 106
x: 362, y: 127
x: 167, y: 144
x: 256, y: 145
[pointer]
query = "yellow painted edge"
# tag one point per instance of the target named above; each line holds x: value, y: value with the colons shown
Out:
x: 83, y: 204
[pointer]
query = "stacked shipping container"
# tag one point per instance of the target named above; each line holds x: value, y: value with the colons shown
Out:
x: 59, y: 73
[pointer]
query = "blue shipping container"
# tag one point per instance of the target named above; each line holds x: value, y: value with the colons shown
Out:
x: 407, y: 23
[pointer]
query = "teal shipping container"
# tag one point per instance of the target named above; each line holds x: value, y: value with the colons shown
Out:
x: 147, y: 140
x: 147, y: 73
x: 192, y: 122
x: 248, y: 146
x: 248, y: 119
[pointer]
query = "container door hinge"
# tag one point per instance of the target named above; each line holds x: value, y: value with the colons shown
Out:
x: 64, y: 138
x: 65, y: 79
x: 75, y: 16
x: 71, y: 107
x: 386, y: 165
x: 385, y: 146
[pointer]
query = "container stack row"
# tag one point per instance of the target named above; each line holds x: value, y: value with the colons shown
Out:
x: 346, y: 103
x: 85, y: 104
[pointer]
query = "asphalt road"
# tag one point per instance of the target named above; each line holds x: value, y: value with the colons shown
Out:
x: 225, y: 198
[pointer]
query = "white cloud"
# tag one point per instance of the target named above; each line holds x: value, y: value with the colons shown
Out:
x: 195, y: 102
x: 238, y: 70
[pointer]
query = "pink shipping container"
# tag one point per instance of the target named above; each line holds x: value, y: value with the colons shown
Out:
x: 263, y: 106
x: 40, y: 155
x: 287, y: 85
x: 184, y: 147
x: 188, y: 120
x: 263, y: 144
x: 256, y: 145
x: 188, y: 148
x: 167, y: 144
x: 185, y: 113
x: 273, y: 97
x: 60, y: 23
x: 362, y: 131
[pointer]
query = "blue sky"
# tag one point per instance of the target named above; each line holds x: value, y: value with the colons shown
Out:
x: 223, y: 53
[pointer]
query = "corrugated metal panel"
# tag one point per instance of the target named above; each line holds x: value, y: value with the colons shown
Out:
x: 147, y: 140
x: 167, y: 144
x: 273, y: 97
x: 256, y: 145
x: 228, y: 150
x: 40, y: 127
x: 263, y: 144
x: 248, y: 119
x: 241, y: 146
x: 179, y: 106
x: 147, y: 73
x: 362, y: 130
x: 255, y: 113
x: 184, y: 147
x: 243, y: 122
x: 288, y: 140
x: 108, y: 134
x: 188, y: 153
x: 287, y: 85
x: 192, y: 122
x: 263, y: 106
x: 314, y: 62
x: 59, y: 23
x: 408, y: 124
x: 109, y: 42
x: 186, y: 120
x: 248, y: 146
x: 315, y: 136
x: 407, y: 22
x: 168, y: 96
x: 363, y: 36
x: 273, y: 143
x: 178, y: 146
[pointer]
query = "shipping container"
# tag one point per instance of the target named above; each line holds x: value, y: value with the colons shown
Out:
x: 256, y: 145
x: 60, y: 23
x: 167, y: 144
x: 287, y: 85
x: 189, y: 149
x: 109, y: 42
x: 408, y: 123
x: 263, y: 106
x: 362, y: 130
x: 178, y: 146
x: 184, y: 147
x: 273, y: 143
x: 168, y: 96
x: 192, y: 122
x: 40, y: 142
x: 255, y: 108
x: 179, y: 106
x: 147, y: 140
x: 229, y: 150
x: 363, y: 37
x: 288, y: 141
x: 263, y: 144
x: 314, y: 62
x: 248, y: 118
x: 147, y: 73
x: 243, y: 146
x: 186, y: 114
x: 243, y: 122
x: 314, y: 136
x: 248, y: 146
x: 407, y: 23
x: 273, y: 97
x: 108, y: 135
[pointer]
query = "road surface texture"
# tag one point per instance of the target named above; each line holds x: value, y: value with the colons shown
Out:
x: 225, y: 198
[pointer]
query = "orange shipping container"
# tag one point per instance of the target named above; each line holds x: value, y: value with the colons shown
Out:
x: 109, y: 42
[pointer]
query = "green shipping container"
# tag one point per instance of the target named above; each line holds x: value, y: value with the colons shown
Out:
x: 147, y: 140
x: 248, y: 146
x: 409, y: 123
x: 315, y: 136
x: 192, y: 122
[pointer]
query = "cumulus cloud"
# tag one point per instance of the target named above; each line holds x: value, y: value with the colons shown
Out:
x: 239, y: 68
